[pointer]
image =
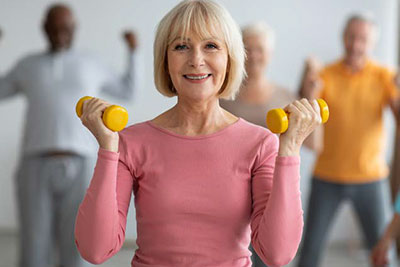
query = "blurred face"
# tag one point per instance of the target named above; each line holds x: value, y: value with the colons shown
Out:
x: 358, y: 40
x: 257, y: 54
x: 197, y: 67
x: 60, y: 28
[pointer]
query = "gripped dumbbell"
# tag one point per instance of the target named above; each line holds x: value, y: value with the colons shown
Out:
x: 278, y: 119
x: 114, y: 117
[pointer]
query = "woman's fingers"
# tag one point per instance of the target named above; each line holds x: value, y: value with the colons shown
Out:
x: 315, y: 106
x: 92, y: 111
x: 314, y: 109
x: 293, y: 111
x: 92, y: 105
x: 309, y: 112
x: 93, y: 108
x: 303, y: 119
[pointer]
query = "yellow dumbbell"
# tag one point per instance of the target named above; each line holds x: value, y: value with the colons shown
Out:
x: 278, y: 121
x: 114, y: 117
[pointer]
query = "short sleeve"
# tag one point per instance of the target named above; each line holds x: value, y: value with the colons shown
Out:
x: 390, y: 91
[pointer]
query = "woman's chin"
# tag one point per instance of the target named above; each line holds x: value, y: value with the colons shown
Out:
x: 200, y: 96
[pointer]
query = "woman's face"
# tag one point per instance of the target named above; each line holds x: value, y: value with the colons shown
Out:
x: 257, y: 53
x: 197, y: 67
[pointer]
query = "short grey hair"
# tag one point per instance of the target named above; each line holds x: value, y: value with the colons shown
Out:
x: 262, y: 29
x: 363, y: 17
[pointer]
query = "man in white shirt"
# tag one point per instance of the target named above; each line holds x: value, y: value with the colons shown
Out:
x: 54, y: 170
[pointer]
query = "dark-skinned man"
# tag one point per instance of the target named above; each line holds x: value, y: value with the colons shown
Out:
x: 56, y: 155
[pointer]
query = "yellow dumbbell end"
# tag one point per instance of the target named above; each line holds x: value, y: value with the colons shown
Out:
x: 115, y: 118
x: 78, y: 107
x: 323, y: 106
x: 277, y: 120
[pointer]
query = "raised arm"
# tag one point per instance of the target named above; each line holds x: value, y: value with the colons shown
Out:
x: 8, y: 86
x: 9, y: 83
x: 123, y: 86
x: 277, y: 218
x: 310, y: 87
x: 311, y: 84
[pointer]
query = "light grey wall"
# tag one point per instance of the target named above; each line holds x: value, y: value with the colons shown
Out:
x: 302, y: 28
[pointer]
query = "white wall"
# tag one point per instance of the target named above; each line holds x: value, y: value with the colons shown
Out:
x: 302, y: 28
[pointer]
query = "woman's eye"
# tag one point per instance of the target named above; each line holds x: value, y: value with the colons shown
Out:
x: 180, y: 47
x: 211, y: 46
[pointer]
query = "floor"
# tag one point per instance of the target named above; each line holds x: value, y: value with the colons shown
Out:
x: 335, y: 256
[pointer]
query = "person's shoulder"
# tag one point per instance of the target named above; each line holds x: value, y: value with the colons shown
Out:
x: 30, y: 58
x: 380, y: 68
x: 84, y: 55
x: 137, y: 131
x: 135, y: 138
x: 332, y: 66
x: 255, y: 132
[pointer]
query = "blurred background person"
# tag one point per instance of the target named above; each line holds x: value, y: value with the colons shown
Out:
x: 54, y: 166
x: 257, y: 94
x: 351, y: 165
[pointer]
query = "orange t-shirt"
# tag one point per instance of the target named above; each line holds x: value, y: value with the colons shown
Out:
x: 353, y: 137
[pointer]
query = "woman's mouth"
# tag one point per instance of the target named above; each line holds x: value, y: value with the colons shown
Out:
x: 196, y: 77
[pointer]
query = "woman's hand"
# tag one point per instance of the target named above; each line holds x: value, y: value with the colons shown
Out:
x: 379, y: 254
x: 92, y: 112
x: 304, y: 116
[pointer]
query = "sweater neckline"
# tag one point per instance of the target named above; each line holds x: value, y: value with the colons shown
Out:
x: 197, y: 137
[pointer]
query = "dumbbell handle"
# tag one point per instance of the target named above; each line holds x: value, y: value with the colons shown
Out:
x: 278, y: 120
x: 114, y: 117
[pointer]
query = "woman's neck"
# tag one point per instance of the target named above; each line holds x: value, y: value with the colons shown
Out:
x: 195, y: 118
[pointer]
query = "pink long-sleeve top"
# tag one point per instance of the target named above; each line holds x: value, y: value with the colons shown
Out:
x: 199, y: 200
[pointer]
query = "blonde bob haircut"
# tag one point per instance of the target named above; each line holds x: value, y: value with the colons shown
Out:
x: 205, y: 19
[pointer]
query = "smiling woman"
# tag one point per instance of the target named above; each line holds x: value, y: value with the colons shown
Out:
x: 206, y: 183
x: 207, y: 22
x: 197, y: 67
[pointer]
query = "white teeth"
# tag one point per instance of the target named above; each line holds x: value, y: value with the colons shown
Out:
x: 196, y: 77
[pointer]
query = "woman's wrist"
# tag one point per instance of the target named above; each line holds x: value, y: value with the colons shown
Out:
x: 288, y: 149
x: 110, y: 144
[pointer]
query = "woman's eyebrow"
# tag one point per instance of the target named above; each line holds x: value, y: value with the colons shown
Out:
x: 188, y: 39
x: 213, y: 39
x: 180, y: 38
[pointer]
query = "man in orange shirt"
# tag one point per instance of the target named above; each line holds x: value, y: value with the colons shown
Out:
x: 351, y: 165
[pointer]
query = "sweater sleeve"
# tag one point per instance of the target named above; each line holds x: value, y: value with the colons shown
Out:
x: 9, y: 84
x: 277, y: 215
x: 101, y: 220
x: 120, y: 86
